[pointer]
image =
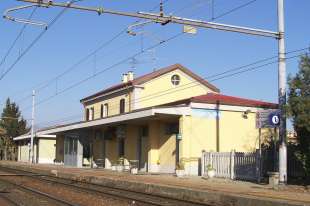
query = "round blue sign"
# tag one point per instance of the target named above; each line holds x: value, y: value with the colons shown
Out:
x: 274, y: 119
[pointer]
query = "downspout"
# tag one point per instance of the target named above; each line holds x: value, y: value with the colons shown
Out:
x: 217, y: 126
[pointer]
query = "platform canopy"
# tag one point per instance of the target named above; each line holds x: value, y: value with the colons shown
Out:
x: 162, y: 112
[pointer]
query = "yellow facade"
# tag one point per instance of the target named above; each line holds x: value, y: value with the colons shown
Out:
x: 44, y: 150
x: 160, y: 90
x: 199, y: 132
x: 113, y: 102
x: 154, y: 92
x: 203, y: 127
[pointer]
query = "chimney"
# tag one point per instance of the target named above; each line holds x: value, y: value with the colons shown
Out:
x: 130, y: 75
x: 125, y: 78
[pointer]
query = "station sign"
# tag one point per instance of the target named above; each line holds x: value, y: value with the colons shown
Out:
x: 268, y: 118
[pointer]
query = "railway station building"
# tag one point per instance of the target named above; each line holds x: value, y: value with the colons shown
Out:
x: 44, y: 148
x: 157, y: 121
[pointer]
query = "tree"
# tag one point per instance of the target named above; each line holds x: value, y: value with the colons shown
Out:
x: 12, y: 124
x: 299, y: 109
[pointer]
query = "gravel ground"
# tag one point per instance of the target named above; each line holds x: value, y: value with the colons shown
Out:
x: 287, y: 192
x: 63, y: 192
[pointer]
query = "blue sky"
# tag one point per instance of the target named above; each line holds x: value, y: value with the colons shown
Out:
x: 207, y: 53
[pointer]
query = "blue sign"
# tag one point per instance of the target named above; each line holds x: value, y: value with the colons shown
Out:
x: 274, y: 118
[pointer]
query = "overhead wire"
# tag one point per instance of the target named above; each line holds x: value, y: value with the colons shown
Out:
x: 45, y: 84
x: 72, y: 86
x: 15, y: 40
x: 169, y: 39
x: 51, y: 23
x: 222, y: 75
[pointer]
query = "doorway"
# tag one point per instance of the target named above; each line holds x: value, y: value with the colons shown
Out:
x: 143, y: 148
x: 72, y: 150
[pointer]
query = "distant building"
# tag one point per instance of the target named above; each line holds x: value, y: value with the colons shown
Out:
x: 292, y: 136
x: 44, y: 148
x: 157, y: 121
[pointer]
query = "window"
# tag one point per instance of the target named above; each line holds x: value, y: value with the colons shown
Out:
x: 87, y: 115
x: 105, y: 110
x: 101, y: 111
x: 172, y: 128
x: 122, y: 106
x: 121, y: 147
x: 144, y: 131
x: 175, y: 79
x: 92, y: 113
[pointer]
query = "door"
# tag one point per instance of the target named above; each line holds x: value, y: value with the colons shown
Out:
x: 70, y: 151
x: 142, y: 153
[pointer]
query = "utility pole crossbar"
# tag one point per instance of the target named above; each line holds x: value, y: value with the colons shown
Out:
x: 163, y: 19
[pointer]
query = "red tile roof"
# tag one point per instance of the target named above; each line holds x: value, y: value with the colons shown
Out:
x: 213, y: 98
x: 152, y: 75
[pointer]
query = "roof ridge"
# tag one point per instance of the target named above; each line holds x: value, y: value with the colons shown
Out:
x: 149, y: 76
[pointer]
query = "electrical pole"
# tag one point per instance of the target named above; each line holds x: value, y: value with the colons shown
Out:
x: 32, y: 129
x: 282, y: 94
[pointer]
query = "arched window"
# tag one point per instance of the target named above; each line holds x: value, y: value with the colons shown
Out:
x: 87, y: 114
x: 122, y: 106
x: 101, y: 111
x: 92, y: 113
x: 105, y: 110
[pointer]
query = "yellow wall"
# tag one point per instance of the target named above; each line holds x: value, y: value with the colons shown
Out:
x: 131, y: 142
x: 160, y: 90
x: 154, y: 92
x: 235, y: 133
x: 153, y: 152
x: 23, y: 153
x: 111, y: 147
x: 47, y: 150
x: 98, y: 149
x: 113, y: 104
x: 238, y: 133
x: 167, y: 152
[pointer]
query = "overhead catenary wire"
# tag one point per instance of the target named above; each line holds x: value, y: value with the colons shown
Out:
x: 72, y: 86
x: 83, y: 59
x: 35, y: 41
x: 15, y: 40
x: 45, y: 84
x: 116, y: 64
x: 234, y: 9
x: 211, y: 78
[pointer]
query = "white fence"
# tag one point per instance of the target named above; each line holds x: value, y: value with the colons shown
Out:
x: 233, y: 165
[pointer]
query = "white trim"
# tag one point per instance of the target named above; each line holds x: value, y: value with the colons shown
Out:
x: 174, y: 111
x: 119, y: 118
x: 29, y: 136
x: 106, y: 94
x: 226, y: 107
x: 135, y: 97
x: 45, y: 160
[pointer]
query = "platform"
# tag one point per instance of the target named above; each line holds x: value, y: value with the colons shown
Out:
x: 219, y: 191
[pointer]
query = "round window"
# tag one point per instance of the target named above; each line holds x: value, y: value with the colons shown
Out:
x: 175, y: 79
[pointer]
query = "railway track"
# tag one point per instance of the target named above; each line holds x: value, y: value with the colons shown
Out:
x: 111, y: 192
x: 34, y: 192
x: 8, y: 200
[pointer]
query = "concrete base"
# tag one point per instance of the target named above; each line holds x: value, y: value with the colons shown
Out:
x: 191, y: 168
x: 153, y: 168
